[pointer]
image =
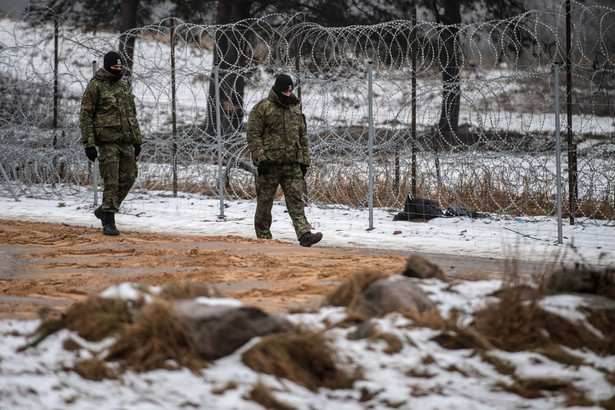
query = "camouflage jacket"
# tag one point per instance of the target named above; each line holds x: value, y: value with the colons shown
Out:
x: 108, y: 112
x: 278, y: 133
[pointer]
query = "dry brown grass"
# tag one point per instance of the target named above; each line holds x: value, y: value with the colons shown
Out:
x: 222, y: 389
x: 535, y: 388
x: 483, y: 194
x: 430, y: 318
x: 154, y: 339
x: 394, y: 343
x: 517, y: 322
x: 462, y: 338
x: 500, y: 365
x: 148, y: 336
x: 304, y: 359
x: 94, y: 319
x: 348, y: 293
x: 94, y: 369
x: 263, y: 395
x: 189, y: 290
x: 98, y: 318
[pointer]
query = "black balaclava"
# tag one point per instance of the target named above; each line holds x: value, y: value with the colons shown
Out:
x: 283, y: 82
x: 112, y: 58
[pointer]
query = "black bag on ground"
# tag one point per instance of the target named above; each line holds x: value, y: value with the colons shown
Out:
x: 460, y: 209
x: 419, y: 208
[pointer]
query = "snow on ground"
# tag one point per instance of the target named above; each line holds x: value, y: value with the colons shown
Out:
x: 457, y: 379
x: 423, y: 375
x: 527, y: 238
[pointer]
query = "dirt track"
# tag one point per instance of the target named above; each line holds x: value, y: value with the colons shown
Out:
x: 47, y: 265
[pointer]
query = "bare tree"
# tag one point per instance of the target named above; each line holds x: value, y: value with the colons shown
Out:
x: 227, y: 55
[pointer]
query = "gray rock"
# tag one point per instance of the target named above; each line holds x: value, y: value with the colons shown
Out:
x: 418, y: 266
x: 218, y: 327
x: 392, y: 294
x: 581, y: 279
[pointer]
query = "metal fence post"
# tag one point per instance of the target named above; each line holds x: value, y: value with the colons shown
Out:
x: 370, y: 116
x: 173, y: 108
x: 219, y: 132
x: 558, y: 149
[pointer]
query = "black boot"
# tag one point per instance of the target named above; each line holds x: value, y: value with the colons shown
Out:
x: 108, y: 222
x: 308, y: 239
x: 98, y: 212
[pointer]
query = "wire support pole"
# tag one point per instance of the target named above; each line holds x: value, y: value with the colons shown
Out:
x: 413, y: 126
x: 558, y: 152
x: 219, y: 135
x: 173, y: 107
x: 572, y: 149
x: 370, y: 115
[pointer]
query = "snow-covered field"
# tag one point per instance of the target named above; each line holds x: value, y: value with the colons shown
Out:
x: 525, y: 238
x: 421, y: 375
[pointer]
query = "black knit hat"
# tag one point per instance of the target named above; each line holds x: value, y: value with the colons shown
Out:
x: 112, y: 58
x: 283, y: 82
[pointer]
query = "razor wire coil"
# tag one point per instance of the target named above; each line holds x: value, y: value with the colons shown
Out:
x: 498, y: 157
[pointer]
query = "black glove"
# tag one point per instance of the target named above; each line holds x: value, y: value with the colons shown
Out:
x: 91, y: 153
x: 137, y: 149
x: 263, y: 168
x: 303, y: 169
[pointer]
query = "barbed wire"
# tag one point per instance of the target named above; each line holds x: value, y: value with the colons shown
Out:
x: 480, y: 132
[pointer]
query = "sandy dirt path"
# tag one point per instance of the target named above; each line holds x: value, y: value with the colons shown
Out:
x: 53, y: 266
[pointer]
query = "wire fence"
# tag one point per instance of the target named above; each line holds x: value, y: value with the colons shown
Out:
x: 460, y: 114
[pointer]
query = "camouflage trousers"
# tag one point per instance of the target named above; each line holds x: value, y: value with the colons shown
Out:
x: 289, y: 177
x: 118, y: 169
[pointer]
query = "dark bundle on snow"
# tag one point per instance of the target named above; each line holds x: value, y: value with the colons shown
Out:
x: 419, y: 208
x: 426, y: 209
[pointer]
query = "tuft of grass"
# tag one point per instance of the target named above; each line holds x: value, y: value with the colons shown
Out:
x: 94, y: 319
x: 70, y: 345
x: 263, y: 395
x: 188, y: 290
x: 348, y: 293
x: 94, y: 369
x: 540, y: 387
x: 557, y: 354
x: 516, y: 322
x: 394, y: 344
x: 609, y: 403
x: 97, y: 318
x: 462, y: 338
x: 605, y: 323
x: 430, y: 318
x: 231, y: 385
x: 303, y: 359
x: 154, y: 340
x: 420, y: 373
x: 502, y: 366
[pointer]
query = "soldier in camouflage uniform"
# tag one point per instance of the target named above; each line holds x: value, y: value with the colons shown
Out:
x: 109, y: 121
x: 277, y: 138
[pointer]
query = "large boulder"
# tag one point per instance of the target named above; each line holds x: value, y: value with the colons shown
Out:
x: 392, y: 294
x: 219, y: 326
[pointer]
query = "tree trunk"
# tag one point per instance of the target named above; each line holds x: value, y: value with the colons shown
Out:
x: 226, y: 56
x: 128, y: 11
x: 448, y: 124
